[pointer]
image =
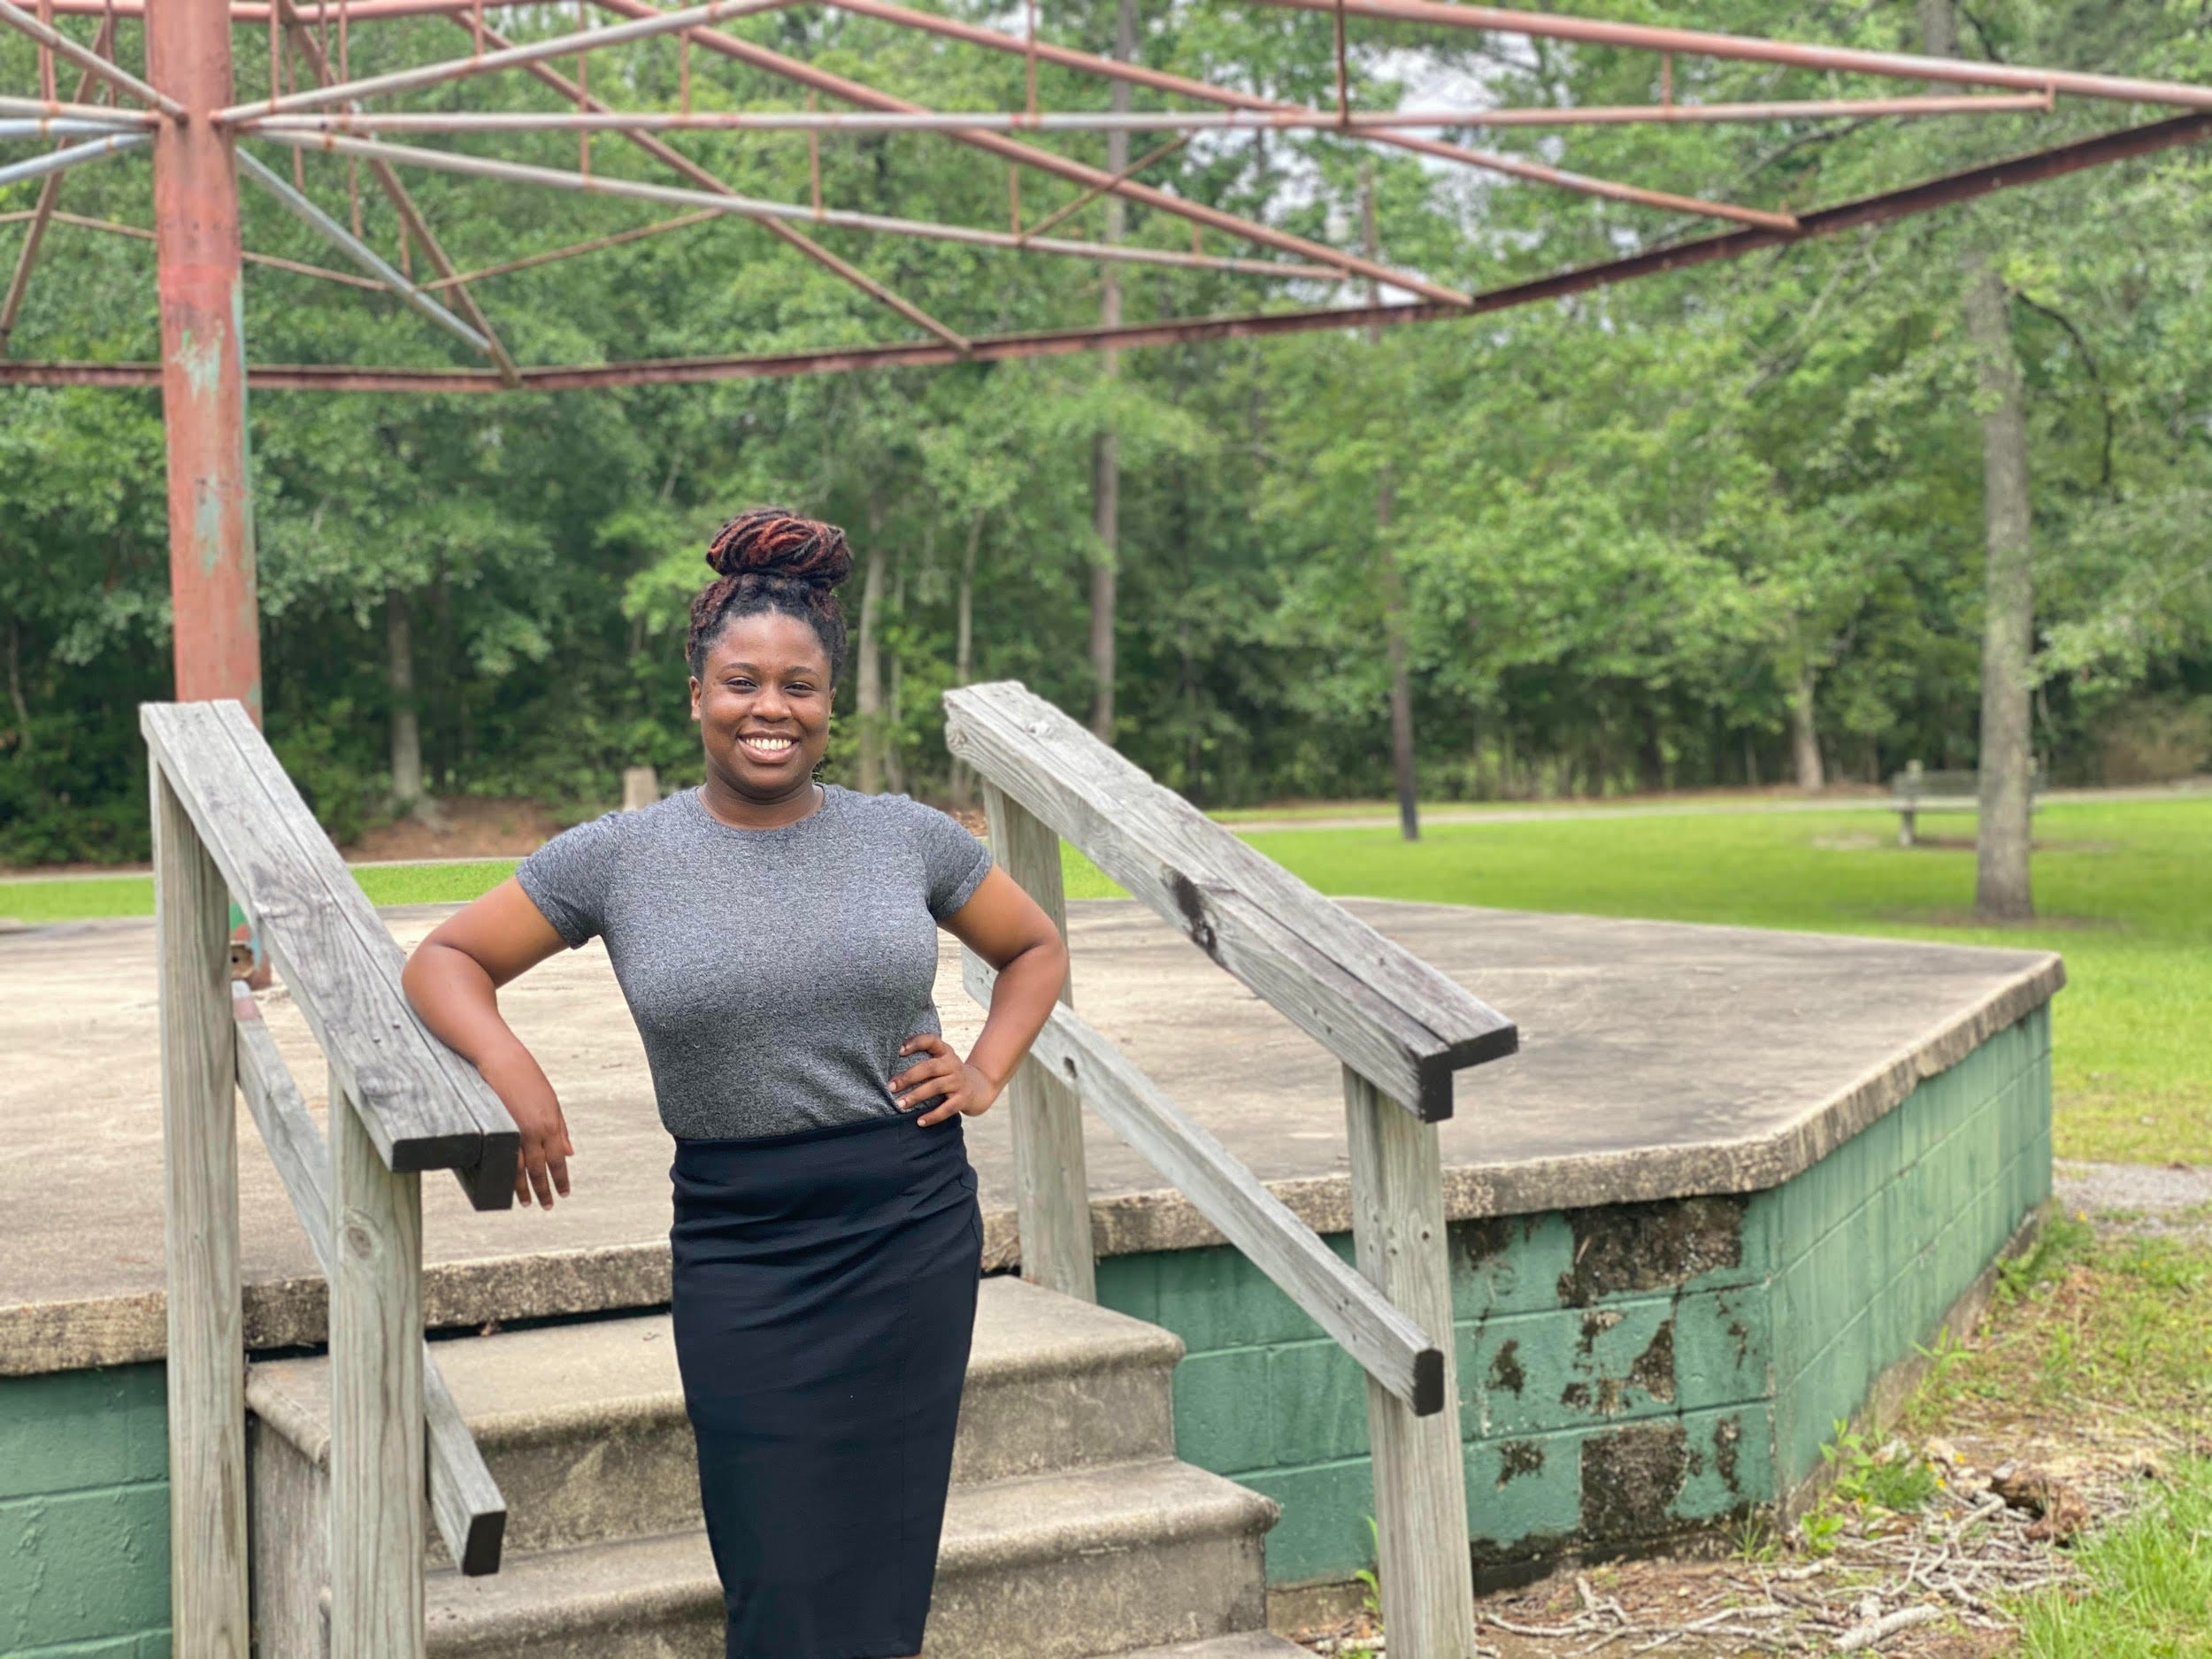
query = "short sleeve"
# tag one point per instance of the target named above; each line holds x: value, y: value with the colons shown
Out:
x: 567, y: 878
x: 953, y: 862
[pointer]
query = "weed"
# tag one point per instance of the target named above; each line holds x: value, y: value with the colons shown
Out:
x: 1370, y: 1586
x: 2062, y: 1241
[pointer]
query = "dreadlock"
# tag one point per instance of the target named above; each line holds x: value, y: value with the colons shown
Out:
x: 769, y: 558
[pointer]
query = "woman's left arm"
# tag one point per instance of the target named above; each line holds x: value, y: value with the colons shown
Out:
x: 1003, y: 926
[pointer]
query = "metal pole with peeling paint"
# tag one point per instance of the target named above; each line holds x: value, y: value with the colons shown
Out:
x: 211, y: 578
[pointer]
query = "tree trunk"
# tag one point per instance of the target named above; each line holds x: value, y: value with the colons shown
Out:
x: 1804, y: 735
x: 15, y: 686
x: 895, y: 701
x: 1394, y: 588
x: 406, y: 731
x: 964, y: 647
x: 869, y: 697
x: 1106, y: 447
x: 2002, y: 891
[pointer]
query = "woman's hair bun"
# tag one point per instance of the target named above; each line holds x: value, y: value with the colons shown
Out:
x: 776, y: 541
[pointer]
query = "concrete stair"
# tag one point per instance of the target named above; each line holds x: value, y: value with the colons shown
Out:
x: 1071, y: 1531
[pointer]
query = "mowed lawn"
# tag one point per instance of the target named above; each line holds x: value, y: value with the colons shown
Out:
x: 2124, y: 889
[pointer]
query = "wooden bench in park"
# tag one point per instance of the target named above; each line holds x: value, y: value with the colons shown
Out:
x: 1916, y: 790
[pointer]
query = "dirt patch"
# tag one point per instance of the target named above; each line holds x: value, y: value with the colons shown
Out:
x: 467, y: 827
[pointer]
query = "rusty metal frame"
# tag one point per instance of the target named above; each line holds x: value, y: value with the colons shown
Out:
x: 194, y: 120
x: 1931, y: 195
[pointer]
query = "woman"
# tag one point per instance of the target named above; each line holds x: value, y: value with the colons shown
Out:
x: 776, y: 941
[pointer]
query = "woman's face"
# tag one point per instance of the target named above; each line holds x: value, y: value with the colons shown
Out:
x: 764, y: 705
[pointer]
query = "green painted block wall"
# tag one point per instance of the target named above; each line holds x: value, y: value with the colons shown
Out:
x: 1633, y: 1371
x: 84, y: 1515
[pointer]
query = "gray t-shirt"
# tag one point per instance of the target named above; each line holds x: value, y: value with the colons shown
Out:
x: 773, y: 974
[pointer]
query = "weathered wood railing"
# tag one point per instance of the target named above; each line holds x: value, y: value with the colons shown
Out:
x: 1401, y: 1029
x: 228, y: 823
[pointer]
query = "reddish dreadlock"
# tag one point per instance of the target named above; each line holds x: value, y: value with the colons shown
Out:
x: 769, y: 558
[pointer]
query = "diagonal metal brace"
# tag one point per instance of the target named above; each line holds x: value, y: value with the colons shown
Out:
x: 358, y: 251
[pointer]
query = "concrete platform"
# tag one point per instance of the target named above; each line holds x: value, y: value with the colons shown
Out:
x: 1660, y: 1061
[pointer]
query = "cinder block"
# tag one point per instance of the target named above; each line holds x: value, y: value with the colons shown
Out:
x: 1522, y: 1491
x: 1324, y: 1531
x: 1315, y: 1404
x: 83, y: 1566
x: 1509, y: 1264
x: 1215, y: 1299
x: 71, y: 1431
x: 1222, y: 1411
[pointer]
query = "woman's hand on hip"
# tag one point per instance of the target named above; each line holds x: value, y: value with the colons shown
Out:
x: 965, y: 1089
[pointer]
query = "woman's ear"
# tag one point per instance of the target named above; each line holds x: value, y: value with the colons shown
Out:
x: 695, y: 697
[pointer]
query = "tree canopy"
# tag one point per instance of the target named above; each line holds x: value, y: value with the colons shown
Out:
x: 1635, y: 527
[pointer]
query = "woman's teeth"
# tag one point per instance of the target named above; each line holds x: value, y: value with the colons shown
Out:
x: 769, y: 745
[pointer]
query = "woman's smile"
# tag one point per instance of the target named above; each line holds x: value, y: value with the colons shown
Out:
x: 768, y: 749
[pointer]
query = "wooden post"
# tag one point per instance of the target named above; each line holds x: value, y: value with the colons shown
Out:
x: 1051, y: 1189
x: 376, y: 1401
x: 1426, y: 1575
x: 207, y: 1347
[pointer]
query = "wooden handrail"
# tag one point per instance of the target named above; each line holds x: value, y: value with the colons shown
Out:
x: 464, y: 1500
x: 1393, y: 1349
x: 1400, y: 1027
x: 424, y: 1107
x: 1371, y: 1003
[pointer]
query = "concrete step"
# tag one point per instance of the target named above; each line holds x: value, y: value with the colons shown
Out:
x: 583, y: 1425
x: 1251, y: 1644
x: 1103, y: 1561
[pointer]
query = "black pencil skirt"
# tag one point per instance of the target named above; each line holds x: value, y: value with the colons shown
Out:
x: 825, y: 1300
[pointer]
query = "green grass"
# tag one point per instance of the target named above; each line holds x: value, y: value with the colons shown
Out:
x: 2151, y: 1579
x: 83, y: 898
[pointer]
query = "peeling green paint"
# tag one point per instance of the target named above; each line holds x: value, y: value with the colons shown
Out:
x: 1626, y: 1372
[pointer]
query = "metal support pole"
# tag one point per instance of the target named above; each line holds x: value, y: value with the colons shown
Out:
x: 212, y: 576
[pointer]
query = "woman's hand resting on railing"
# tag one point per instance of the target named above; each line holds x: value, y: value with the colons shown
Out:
x: 453, y: 980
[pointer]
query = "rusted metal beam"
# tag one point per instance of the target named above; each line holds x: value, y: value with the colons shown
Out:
x: 1927, y: 197
x: 359, y: 252
x: 213, y: 583
x: 669, y: 157
x: 60, y: 126
x: 1796, y: 54
x: 597, y: 244
x: 106, y: 114
x: 371, y: 123
x: 73, y: 156
x: 1151, y: 158
x: 410, y: 217
x: 139, y: 232
x: 749, y: 207
x: 1044, y: 161
x: 1207, y: 92
x: 513, y: 57
x: 89, y: 60
x: 49, y: 194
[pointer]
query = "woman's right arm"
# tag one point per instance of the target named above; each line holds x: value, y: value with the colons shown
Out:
x: 453, y: 980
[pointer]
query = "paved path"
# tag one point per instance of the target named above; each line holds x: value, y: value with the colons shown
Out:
x: 2174, y: 1199
x: 1383, y: 818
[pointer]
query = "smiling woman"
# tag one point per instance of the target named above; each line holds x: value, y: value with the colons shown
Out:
x: 776, y: 941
